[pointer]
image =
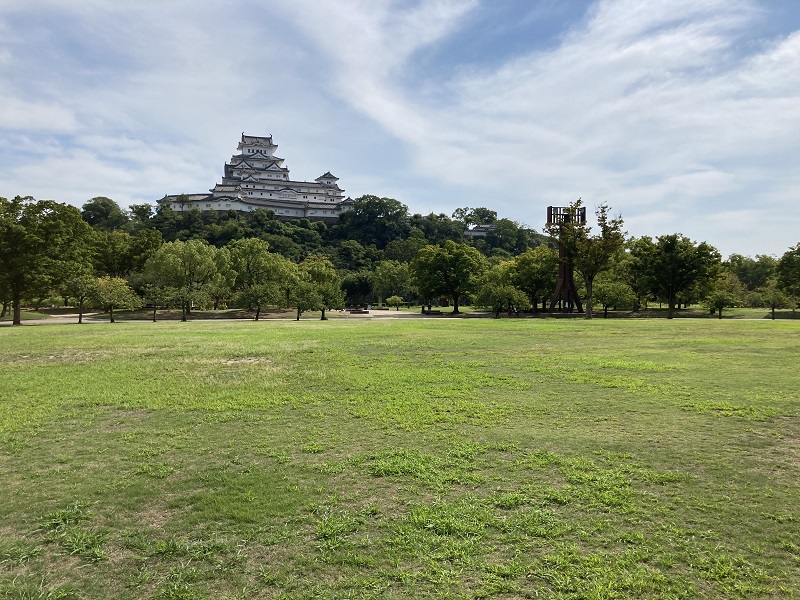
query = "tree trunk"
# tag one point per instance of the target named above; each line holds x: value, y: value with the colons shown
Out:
x: 258, y: 312
x: 605, y: 312
x: 323, y: 317
x: 111, y: 313
x: 80, y: 310
x: 670, y: 305
x: 455, y: 304
x: 773, y: 312
x: 298, y: 314
x: 589, y: 300
x: 720, y: 312
x: 4, y: 309
x: 216, y: 304
x: 155, y: 308
x: 16, y: 300
x: 183, y: 311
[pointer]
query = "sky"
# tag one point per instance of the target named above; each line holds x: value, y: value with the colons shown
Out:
x: 683, y: 116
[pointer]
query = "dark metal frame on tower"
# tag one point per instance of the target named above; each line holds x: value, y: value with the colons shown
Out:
x: 566, y: 294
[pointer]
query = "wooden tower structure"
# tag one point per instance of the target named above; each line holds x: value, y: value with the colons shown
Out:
x: 566, y: 294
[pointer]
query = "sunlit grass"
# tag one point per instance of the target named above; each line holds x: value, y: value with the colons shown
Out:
x: 400, y: 459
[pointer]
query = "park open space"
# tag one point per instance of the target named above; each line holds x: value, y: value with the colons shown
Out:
x: 401, y: 458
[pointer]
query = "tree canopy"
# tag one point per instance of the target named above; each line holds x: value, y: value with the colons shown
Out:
x: 450, y: 270
x: 673, y: 264
x: 36, y: 238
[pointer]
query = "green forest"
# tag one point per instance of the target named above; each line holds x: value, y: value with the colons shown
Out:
x: 104, y: 257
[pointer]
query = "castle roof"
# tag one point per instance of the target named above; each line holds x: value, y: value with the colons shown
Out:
x: 263, y: 140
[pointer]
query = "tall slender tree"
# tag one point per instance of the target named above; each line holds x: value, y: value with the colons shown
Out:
x: 589, y: 253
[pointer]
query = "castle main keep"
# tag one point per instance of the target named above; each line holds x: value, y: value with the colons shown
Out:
x: 255, y: 178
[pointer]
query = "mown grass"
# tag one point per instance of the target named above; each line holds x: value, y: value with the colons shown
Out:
x: 400, y: 459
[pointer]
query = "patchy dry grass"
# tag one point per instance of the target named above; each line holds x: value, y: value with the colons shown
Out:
x: 400, y: 459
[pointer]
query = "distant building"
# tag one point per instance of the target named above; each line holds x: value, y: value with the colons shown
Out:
x: 480, y: 231
x: 256, y: 178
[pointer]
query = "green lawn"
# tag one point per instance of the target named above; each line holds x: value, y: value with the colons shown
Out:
x: 408, y: 458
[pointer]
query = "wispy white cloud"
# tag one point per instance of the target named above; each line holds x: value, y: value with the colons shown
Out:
x: 643, y: 104
x: 679, y: 114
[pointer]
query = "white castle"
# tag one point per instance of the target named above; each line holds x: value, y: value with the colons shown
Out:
x: 256, y: 178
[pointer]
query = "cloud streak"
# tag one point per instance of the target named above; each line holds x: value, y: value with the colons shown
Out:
x: 683, y: 115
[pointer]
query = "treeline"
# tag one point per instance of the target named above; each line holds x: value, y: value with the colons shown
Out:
x: 103, y: 256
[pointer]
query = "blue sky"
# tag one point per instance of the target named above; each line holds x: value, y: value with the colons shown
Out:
x: 682, y: 115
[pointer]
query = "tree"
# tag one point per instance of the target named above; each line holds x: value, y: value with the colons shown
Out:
x: 140, y: 215
x: 613, y: 293
x: 754, y: 273
x: 507, y: 235
x: 396, y: 301
x: 111, y: 292
x: 35, y: 237
x: 351, y: 256
x: 673, y: 264
x: 474, y: 216
x: 374, y: 220
x: 157, y: 296
x: 390, y: 278
x: 589, y: 254
x: 185, y: 268
x: 324, y: 284
x: 450, y: 270
x: 357, y: 287
x: 789, y: 273
x: 773, y: 296
x: 304, y: 295
x: 726, y: 291
x: 405, y: 250
x: 535, y: 272
x: 436, y: 229
x: 496, y: 292
x: 80, y: 285
x: 260, y: 276
x: 103, y: 213
x: 220, y: 287
x: 144, y: 243
x: 113, y: 253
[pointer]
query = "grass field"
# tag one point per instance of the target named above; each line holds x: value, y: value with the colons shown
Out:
x: 407, y: 458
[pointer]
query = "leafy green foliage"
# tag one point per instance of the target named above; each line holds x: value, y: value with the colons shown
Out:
x: 114, y: 292
x: 103, y: 213
x: 450, y: 270
x: 789, y: 272
x: 36, y: 239
x: 183, y: 269
x: 673, y: 264
x: 535, y: 272
x: 497, y: 292
x: 613, y: 294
